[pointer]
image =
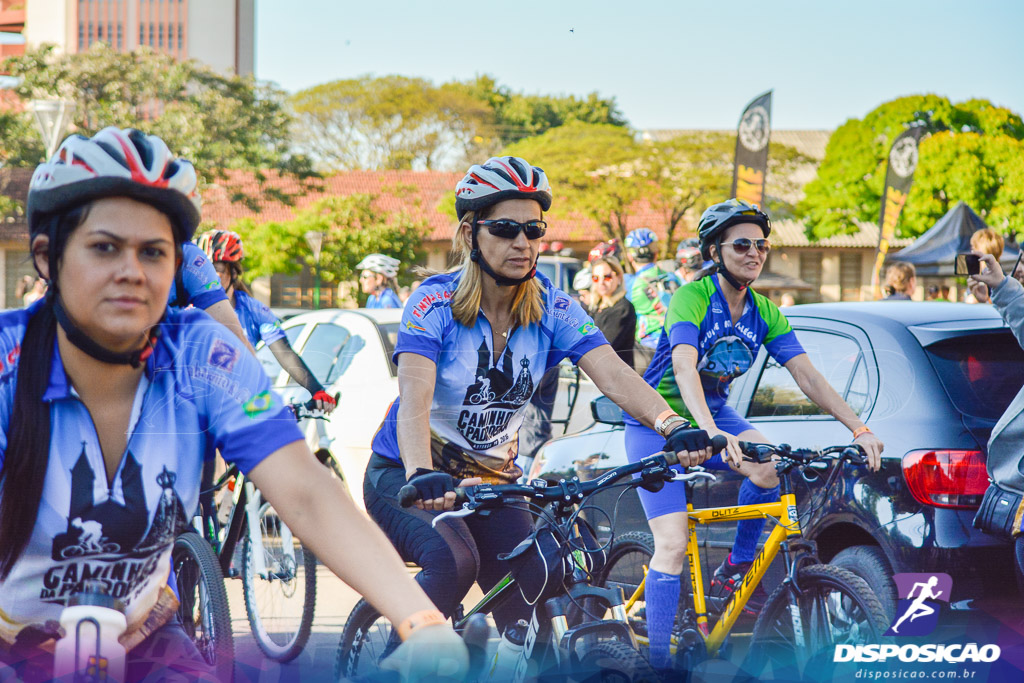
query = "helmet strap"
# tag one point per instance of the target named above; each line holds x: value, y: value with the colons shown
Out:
x: 478, y: 258
x: 85, y: 343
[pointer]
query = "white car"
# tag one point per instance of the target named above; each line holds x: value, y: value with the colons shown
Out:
x: 349, y: 351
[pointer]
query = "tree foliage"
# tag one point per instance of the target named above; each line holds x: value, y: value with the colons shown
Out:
x: 353, y: 227
x: 602, y: 172
x: 392, y: 122
x: 216, y: 121
x: 396, y: 122
x: 972, y: 153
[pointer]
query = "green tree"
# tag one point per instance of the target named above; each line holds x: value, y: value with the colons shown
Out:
x: 354, y: 227
x: 518, y: 116
x: 972, y: 154
x: 390, y: 122
x: 216, y: 121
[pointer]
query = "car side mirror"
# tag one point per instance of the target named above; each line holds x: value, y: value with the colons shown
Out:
x: 606, y: 411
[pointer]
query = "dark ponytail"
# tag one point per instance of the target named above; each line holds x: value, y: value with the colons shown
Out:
x: 28, y: 432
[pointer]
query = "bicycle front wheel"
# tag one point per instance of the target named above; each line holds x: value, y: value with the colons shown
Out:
x: 628, y: 557
x: 204, y: 609
x: 797, y: 634
x: 613, y: 662
x: 367, y: 639
x: 280, y: 595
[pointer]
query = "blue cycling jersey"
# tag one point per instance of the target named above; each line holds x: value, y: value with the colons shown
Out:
x: 387, y: 299
x: 479, y: 401
x: 258, y: 321
x: 201, y: 390
x: 198, y: 279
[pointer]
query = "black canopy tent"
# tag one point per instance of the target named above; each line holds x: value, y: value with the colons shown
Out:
x: 934, y: 253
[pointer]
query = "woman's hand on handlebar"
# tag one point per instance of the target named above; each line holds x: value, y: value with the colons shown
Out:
x: 873, y: 448
x: 436, y: 489
x: 691, y: 446
x: 732, y: 454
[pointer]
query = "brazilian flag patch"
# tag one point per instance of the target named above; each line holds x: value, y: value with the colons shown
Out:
x: 260, y: 403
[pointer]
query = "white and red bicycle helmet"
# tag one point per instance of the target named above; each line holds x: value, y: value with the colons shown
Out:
x: 116, y: 163
x: 221, y: 245
x: 498, y: 179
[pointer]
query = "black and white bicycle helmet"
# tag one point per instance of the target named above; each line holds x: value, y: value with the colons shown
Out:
x: 498, y: 179
x: 718, y: 217
x: 379, y: 263
x: 116, y: 163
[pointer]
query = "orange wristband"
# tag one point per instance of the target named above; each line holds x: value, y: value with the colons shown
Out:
x: 664, y: 415
x: 863, y: 429
x: 427, y: 617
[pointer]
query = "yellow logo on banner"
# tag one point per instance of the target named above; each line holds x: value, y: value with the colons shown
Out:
x: 749, y: 184
x: 894, y: 201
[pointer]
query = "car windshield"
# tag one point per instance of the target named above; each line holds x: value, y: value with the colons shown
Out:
x: 981, y: 372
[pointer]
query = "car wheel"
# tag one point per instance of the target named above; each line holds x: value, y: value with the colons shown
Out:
x: 870, y: 563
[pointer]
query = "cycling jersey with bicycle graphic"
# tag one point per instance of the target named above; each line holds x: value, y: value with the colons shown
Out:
x: 479, y: 401
x: 201, y: 390
x: 699, y: 316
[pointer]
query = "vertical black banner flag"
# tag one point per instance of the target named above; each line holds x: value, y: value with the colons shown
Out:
x: 898, y: 178
x: 751, y: 164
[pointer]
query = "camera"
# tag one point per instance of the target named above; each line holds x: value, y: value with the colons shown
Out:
x: 968, y: 264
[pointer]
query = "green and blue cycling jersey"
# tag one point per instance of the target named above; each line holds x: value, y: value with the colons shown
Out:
x: 197, y: 283
x: 200, y: 391
x: 698, y: 316
x: 258, y: 321
x: 650, y: 291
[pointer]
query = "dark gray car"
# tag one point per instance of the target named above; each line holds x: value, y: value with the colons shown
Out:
x: 930, y: 379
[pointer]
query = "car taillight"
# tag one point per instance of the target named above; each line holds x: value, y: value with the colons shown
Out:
x: 946, y: 478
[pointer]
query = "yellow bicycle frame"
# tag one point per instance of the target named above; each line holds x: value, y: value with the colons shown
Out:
x: 788, y: 525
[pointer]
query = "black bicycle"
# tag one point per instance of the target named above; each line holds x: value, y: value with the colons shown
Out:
x: 568, y: 633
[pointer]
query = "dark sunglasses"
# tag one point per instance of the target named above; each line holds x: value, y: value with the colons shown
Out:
x: 606, y: 278
x: 743, y: 245
x: 508, y: 229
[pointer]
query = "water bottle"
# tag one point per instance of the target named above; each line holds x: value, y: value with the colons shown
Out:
x: 90, y: 651
x: 506, y: 658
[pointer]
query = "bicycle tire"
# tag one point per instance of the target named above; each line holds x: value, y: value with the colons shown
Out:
x: 624, y: 569
x: 613, y: 661
x: 365, y: 641
x: 204, y: 610
x: 279, y: 605
x: 836, y: 607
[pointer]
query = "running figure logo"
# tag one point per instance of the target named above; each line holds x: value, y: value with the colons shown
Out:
x: 917, y: 612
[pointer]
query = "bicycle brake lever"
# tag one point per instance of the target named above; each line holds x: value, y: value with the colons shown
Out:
x: 466, y: 511
x: 692, y: 476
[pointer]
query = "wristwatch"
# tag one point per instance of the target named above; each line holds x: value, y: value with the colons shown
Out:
x: 663, y: 425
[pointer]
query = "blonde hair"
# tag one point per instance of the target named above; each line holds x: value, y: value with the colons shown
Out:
x: 527, y: 303
x: 898, y: 277
x: 988, y: 241
x: 620, y: 291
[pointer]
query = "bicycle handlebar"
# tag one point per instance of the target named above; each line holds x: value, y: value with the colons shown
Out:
x: 566, y: 491
x: 308, y: 410
x: 789, y: 457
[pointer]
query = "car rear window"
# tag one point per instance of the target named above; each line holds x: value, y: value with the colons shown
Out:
x: 980, y: 372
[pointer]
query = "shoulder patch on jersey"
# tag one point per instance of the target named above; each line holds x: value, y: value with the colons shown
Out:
x: 429, y: 301
x: 223, y: 355
x: 587, y: 328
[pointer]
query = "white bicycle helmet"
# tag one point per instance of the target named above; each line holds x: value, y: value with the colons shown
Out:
x: 379, y: 263
x: 116, y: 163
x: 498, y: 179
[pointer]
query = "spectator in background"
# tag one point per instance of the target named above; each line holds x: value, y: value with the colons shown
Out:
x: 786, y: 300
x: 377, y: 280
x: 900, y: 281
x: 612, y: 312
x: 582, y: 284
x: 986, y: 241
x: 30, y: 289
x: 689, y: 259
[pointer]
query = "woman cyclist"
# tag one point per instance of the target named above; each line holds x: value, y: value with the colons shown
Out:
x: 378, y: 281
x: 224, y: 249
x: 108, y: 401
x: 713, y: 330
x: 471, y: 348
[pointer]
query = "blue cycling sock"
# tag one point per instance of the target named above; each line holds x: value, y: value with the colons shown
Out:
x: 748, y: 531
x: 662, y: 594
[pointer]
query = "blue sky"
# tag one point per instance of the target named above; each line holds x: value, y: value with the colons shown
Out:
x: 679, y: 64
